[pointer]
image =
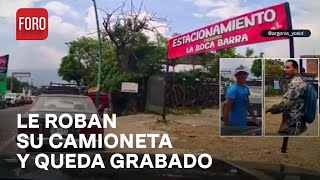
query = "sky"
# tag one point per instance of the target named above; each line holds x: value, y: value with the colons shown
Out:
x: 71, y: 19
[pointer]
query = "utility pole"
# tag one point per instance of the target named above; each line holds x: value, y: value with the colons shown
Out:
x: 100, y: 56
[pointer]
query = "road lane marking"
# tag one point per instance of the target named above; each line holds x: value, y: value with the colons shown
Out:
x: 5, y: 144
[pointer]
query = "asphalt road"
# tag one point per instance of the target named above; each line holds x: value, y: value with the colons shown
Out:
x: 8, y: 127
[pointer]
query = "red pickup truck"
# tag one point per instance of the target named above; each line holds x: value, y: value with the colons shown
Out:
x: 104, y: 103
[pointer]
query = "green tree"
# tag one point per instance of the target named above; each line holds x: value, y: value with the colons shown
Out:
x: 145, y: 60
x: 136, y: 57
x: 124, y: 29
x: 274, y: 67
x: 256, y: 68
x: 71, y: 69
x: 16, y: 84
x: 81, y: 63
x: 274, y: 71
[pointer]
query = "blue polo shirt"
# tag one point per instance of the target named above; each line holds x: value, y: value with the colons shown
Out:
x: 239, y: 112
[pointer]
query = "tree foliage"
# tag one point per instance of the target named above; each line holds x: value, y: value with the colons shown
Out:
x: 256, y: 68
x: 145, y: 58
x: 16, y: 84
x: 124, y: 28
x: 81, y: 63
x: 71, y: 69
x: 274, y: 67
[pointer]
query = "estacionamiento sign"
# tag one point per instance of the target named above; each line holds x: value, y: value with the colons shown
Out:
x: 237, y: 31
x: 4, y: 61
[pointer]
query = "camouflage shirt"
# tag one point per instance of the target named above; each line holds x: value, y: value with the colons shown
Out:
x: 292, y: 106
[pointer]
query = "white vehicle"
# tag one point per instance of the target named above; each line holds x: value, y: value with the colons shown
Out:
x: 13, y: 99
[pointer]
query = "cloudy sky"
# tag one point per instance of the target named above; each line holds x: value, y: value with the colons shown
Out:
x: 70, y: 19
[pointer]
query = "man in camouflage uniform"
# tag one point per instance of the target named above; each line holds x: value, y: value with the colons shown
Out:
x: 292, y: 104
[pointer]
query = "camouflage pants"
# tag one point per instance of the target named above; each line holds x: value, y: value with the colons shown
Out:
x: 291, y: 126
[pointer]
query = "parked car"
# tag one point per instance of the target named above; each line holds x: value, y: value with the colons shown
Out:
x: 3, y: 102
x: 27, y: 100
x: 23, y: 101
x: 59, y: 104
x: 13, y: 99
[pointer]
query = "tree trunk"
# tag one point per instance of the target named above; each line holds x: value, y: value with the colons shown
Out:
x: 123, y: 56
x: 124, y: 59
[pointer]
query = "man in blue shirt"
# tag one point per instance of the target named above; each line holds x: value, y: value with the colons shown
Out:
x: 237, y: 101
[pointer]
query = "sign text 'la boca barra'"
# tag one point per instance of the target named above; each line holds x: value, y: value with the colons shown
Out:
x: 237, y: 31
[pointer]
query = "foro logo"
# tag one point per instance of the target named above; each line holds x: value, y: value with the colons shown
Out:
x: 31, y: 24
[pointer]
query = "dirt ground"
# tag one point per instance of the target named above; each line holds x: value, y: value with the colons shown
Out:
x: 199, y: 133
x: 272, y: 121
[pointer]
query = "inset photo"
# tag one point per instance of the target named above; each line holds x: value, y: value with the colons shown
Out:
x: 241, y: 96
x: 291, y: 97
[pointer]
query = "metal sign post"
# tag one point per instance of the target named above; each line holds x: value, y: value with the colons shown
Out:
x: 291, y: 51
x: 164, y: 91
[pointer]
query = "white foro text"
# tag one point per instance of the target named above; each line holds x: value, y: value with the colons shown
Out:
x: 32, y: 23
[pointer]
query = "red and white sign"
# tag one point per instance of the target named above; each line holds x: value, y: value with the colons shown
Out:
x: 3, y: 62
x: 237, y: 31
x: 31, y: 24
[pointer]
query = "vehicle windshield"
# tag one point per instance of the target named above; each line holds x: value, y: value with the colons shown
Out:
x: 64, y: 104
